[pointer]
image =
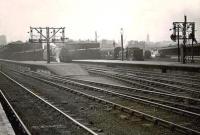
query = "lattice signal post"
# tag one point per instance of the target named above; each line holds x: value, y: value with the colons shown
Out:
x: 47, y: 35
x: 183, y: 31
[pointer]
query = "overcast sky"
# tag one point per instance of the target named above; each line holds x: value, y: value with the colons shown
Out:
x: 83, y: 17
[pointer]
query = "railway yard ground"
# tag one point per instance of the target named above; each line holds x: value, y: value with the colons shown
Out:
x: 101, y: 97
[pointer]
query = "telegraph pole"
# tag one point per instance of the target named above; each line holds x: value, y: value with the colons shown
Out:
x: 45, y: 36
x: 178, y: 45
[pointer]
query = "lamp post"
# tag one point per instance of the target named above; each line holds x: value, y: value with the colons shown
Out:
x: 178, y: 44
x: 122, y: 32
x: 184, y: 40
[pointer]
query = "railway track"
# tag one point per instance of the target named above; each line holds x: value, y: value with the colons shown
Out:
x: 147, y: 84
x: 177, y: 79
x: 39, y: 115
x: 138, y: 125
x: 99, y: 96
x: 18, y: 126
x: 168, y: 79
x: 181, y: 102
x: 130, y: 83
x: 194, y: 77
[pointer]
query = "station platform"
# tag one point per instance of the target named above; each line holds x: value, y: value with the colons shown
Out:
x: 5, y: 126
x: 64, y: 69
x: 146, y: 64
x: 74, y: 69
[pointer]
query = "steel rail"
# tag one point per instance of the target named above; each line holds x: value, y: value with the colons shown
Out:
x: 177, y: 110
x: 197, y: 77
x: 182, y: 106
x: 16, y: 122
x: 177, y: 97
x: 52, y: 106
x: 132, y: 83
x: 160, y: 78
x: 180, y: 76
x: 145, y: 81
x: 136, y: 83
x: 158, y: 121
x: 170, y: 86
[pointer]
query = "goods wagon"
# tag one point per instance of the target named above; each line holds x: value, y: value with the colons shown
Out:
x: 134, y: 54
x: 68, y: 55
